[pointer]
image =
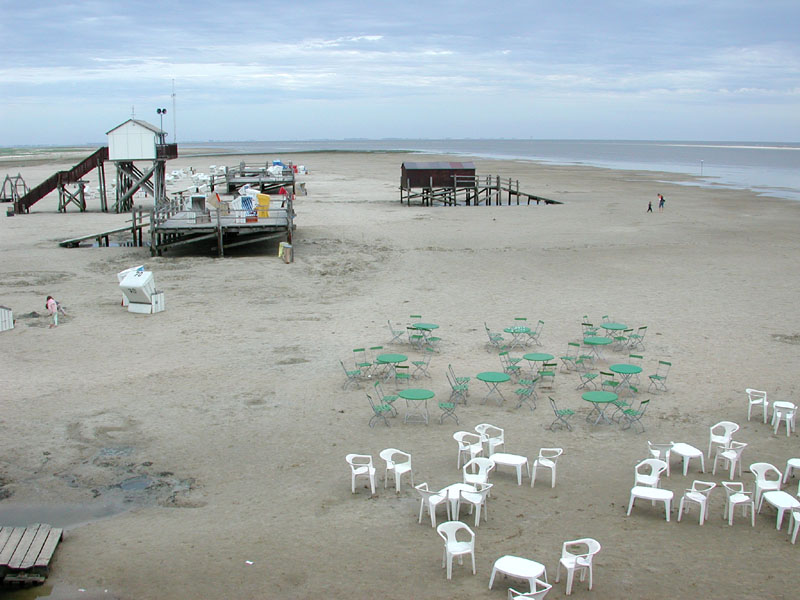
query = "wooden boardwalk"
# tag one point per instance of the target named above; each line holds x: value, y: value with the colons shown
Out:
x: 25, y: 552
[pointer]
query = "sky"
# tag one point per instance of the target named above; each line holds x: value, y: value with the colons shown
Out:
x: 247, y: 70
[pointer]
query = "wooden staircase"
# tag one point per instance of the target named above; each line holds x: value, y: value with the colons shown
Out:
x: 96, y: 159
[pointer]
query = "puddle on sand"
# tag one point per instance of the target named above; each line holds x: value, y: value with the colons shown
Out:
x: 65, y: 516
x: 56, y: 592
x: 133, y: 484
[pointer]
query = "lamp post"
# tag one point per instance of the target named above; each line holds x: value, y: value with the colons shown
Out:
x: 161, y: 112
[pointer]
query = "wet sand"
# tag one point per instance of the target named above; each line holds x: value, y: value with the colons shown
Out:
x: 226, y: 417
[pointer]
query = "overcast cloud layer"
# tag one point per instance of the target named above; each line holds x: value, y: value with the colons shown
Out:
x: 712, y: 70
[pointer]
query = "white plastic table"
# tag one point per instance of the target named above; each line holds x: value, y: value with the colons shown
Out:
x: 651, y: 493
x: 521, y: 568
x: 453, y: 494
x: 688, y: 452
x: 783, y: 502
x: 511, y: 460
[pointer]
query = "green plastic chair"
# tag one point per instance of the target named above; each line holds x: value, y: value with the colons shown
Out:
x: 379, y: 411
x: 658, y: 380
x: 402, y: 376
x: 415, y: 338
x: 636, y: 340
x: 569, y: 359
x: 448, y: 411
x: 384, y: 398
x: 509, y: 364
x: 633, y: 417
x: 562, y: 416
x: 608, y: 381
x: 458, y: 380
x: 496, y: 340
x: 397, y: 334
x: 527, y: 393
x: 458, y: 391
x: 362, y: 361
x: 547, y: 375
x: 587, y: 379
x: 353, y: 376
x: 536, y: 332
x: 421, y: 366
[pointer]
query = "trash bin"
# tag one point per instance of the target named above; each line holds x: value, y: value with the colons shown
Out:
x: 285, y: 252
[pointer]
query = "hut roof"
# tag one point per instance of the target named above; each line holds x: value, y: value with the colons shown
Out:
x: 139, y: 122
x: 438, y: 165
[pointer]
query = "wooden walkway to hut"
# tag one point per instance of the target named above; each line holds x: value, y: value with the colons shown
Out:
x: 25, y: 552
x: 469, y: 190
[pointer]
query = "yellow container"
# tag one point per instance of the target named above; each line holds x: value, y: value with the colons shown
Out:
x: 262, y: 210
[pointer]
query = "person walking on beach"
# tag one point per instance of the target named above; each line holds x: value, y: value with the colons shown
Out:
x: 650, y: 206
x: 661, y: 203
x: 52, y: 307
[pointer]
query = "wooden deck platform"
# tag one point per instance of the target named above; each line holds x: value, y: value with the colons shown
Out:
x: 171, y: 227
x: 25, y: 552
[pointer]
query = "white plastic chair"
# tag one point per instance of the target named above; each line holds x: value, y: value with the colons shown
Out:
x: 491, y: 435
x: 764, y: 483
x: 661, y: 452
x: 721, y: 434
x: 361, y: 466
x: 699, y: 494
x: 476, y: 500
x: 648, y: 472
x: 794, y: 523
x: 547, y: 459
x: 455, y: 547
x: 735, y: 496
x: 429, y: 499
x: 573, y: 561
x: 540, y: 591
x: 791, y: 465
x: 730, y: 456
x: 397, y: 463
x: 756, y: 398
x: 470, y: 445
x: 783, y: 411
x: 483, y: 465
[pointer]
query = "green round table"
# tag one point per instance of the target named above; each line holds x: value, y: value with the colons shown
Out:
x: 596, y: 342
x: 390, y: 360
x: 534, y: 357
x: 416, y: 403
x: 492, y: 379
x: 517, y: 335
x: 425, y: 326
x: 626, y: 371
x: 614, y: 326
x: 600, y: 401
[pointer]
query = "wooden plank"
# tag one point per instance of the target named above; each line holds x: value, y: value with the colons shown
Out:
x: 24, y: 545
x: 49, y: 547
x: 36, y: 547
x: 11, y: 545
x: 5, y: 533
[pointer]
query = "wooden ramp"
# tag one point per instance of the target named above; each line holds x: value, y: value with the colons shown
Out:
x: 25, y: 552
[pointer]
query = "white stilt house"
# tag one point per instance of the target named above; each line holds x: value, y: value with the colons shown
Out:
x: 136, y: 140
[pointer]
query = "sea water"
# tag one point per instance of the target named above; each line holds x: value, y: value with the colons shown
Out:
x: 770, y: 169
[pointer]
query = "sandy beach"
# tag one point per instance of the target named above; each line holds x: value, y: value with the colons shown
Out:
x: 199, y: 452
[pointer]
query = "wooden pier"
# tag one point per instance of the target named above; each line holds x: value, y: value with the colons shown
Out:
x: 25, y: 552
